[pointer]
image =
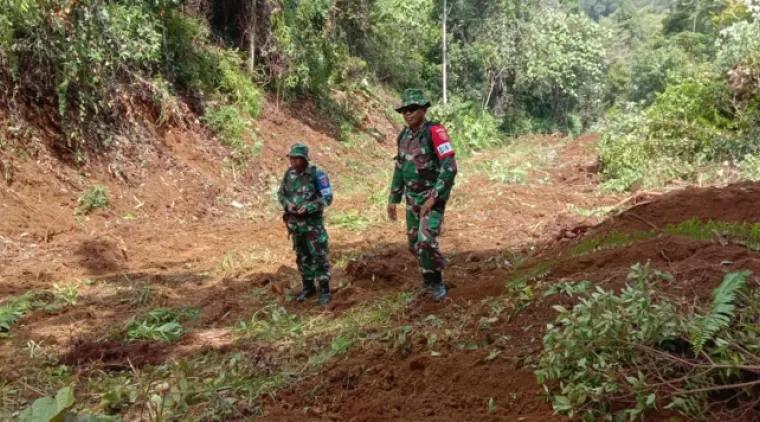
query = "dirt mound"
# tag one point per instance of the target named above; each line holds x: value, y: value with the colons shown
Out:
x: 116, y: 355
x: 383, y: 267
x: 579, y: 165
x: 382, y: 386
x: 738, y: 202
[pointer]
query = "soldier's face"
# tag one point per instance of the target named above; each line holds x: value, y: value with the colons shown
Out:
x: 297, y: 163
x: 414, y: 115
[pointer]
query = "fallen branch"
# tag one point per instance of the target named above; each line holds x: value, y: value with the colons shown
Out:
x: 47, y: 230
x: 638, y: 217
x: 634, y: 197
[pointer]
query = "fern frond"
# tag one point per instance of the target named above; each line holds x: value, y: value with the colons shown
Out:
x: 703, y: 328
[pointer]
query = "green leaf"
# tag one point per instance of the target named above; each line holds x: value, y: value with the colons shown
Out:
x: 49, y: 409
x: 651, y: 399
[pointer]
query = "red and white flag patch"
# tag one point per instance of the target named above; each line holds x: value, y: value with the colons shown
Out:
x: 441, y: 142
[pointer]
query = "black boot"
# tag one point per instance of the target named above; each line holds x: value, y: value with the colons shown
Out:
x: 437, y: 288
x: 324, y: 291
x: 427, y: 280
x: 308, y: 290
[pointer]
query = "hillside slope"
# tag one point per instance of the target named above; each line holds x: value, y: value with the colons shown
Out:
x: 172, y: 238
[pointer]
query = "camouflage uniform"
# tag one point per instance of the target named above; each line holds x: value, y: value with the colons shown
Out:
x: 425, y: 166
x: 311, y: 190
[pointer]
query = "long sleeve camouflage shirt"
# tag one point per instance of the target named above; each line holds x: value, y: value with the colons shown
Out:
x: 310, y: 189
x: 425, y: 165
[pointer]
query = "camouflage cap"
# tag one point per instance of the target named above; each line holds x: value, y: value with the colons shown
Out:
x: 299, y: 150
x: 413, y: 97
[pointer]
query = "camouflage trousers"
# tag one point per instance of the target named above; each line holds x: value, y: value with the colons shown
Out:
x: 422, y: 233
x: 311, y: 246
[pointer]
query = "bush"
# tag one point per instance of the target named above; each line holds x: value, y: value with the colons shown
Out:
x: 206, y: 69
x: 470, y: 128
x: 616, y: 355
x: 689, y: 125
x: 227, y: 122
x: 658, y: 64
x: 77, y: 54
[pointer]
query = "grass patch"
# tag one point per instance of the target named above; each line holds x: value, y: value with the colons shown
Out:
x: 235, y: 261
x: 747, y: 234
x: 12, y: 310
x: 350, y: 219
x: 537, y: 272
x: 609, y: 241
x: 514, y: 163
x: 275, y: 323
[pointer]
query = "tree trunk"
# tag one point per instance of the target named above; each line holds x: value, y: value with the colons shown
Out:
x: 252, y: 39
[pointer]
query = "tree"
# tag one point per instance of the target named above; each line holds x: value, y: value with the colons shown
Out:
x: 564, y: 62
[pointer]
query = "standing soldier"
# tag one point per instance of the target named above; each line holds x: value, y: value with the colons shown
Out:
x: 424, y: 173
x: 304, y: 194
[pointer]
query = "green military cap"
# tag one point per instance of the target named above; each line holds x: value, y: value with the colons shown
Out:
x: 299, y: 150
x: 413, y: 97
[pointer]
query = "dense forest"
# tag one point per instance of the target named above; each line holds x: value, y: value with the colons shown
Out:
x: 673, y: 85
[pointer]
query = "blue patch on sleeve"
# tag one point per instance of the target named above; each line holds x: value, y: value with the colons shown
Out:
x: 323, y: 184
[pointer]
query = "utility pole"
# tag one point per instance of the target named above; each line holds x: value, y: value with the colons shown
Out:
x: 445, y: 16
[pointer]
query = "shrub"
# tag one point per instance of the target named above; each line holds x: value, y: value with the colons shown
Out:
x: 227, y: 122
x: 77, y: 54
x: 616, y: 355
x: 470, y: 128
x: 689, y: 125
x: 206, y: 69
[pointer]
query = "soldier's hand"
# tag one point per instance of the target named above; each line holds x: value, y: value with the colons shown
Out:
x: 291, y: 208
x: 392, y: 215
x: 427, y: 206
x: 302, y: 210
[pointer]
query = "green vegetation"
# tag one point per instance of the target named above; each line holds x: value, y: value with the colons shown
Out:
x: 12, y: 310
x: 92, y: 199
x: 219, y: 385
x: 161, y: 324
x: 686, y: 104
x: 350, y: 219
x: 616, y: 355
x: 679, y: 78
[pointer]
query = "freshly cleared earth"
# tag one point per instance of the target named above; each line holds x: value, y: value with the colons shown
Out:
x: 181, y: 237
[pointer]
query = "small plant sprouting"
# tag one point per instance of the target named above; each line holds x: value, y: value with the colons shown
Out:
x: 94, y: 198
x: 161, y: 324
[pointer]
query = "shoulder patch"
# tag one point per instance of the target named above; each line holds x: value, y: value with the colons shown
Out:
x: 441, y: 142
x: 323, y: 183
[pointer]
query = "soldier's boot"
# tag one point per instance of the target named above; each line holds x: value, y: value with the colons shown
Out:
x: 427, y: 280
x: 308, y: 290
x: 324, y: 291
x: 437, y: 288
